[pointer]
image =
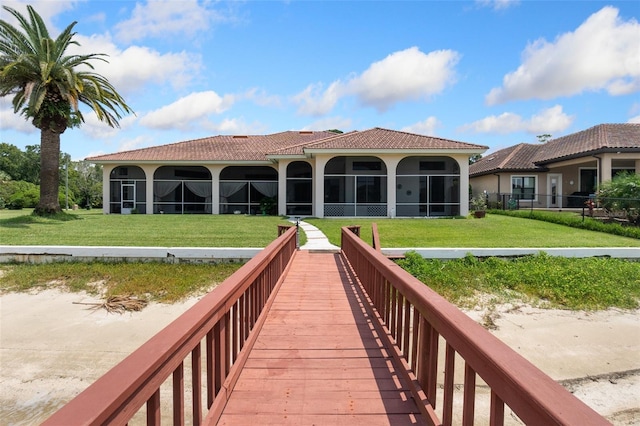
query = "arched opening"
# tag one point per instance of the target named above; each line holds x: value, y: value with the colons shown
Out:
x: 299, y: 189
x: 182, y: 190
x: 248, y: 190
x: 127, y: 189
x: 355, y: 186
x: 428, y: 186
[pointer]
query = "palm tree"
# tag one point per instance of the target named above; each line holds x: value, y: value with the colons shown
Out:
x: 47, y: 86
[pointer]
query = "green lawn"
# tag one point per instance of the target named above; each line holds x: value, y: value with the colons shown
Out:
x: 561, y: 283
x: 492, y: 231
x: 93, y: 228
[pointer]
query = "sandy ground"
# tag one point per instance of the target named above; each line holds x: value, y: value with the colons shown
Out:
x: 51, y: 348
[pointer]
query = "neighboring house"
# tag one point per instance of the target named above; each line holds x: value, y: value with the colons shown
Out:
x: 563, y: 172
x: 376, y: 172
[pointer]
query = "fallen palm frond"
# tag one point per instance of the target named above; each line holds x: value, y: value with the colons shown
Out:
x: 118, y: 304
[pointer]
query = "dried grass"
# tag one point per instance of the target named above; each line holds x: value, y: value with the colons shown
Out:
x: 118, y: 304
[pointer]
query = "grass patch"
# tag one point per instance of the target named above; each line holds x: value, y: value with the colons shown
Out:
x: 574, y: 220
x: 93, y: 228
x: 543, y: 280
x: 160, y: 282
x: 492, y: 231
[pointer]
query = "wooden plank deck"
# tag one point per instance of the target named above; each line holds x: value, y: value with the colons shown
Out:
x: 317, y: 359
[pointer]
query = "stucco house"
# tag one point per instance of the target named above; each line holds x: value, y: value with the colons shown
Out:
x: 376, y: 172
x: 561, y: 173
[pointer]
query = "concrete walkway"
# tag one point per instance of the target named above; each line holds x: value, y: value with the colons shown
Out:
x: 316, y: 240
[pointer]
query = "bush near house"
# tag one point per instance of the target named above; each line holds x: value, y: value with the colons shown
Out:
x: 17, y: 195
x: 622, y: 194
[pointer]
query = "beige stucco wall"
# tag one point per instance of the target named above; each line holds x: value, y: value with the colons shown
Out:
x: 567, y: 171
x: 317, y: 162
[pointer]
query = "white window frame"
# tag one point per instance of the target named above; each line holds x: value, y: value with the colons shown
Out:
x: 535, y: 186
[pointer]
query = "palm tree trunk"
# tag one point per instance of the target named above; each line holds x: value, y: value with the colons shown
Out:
x: 49, y: 173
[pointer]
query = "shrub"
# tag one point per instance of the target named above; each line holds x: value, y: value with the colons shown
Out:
x: 19, y: 193
x: 622, y: 194
x: 16, y: 202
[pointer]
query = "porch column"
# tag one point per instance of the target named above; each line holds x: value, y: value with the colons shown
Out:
x: 638, y: 167
x: 215, y: 171
x: 392, y: 171
x: 318, y: 185
x: 463, y: 162
x: 149, y: 171
x: 106, y: 188
x: 282, y: 187
x: 605, y: 169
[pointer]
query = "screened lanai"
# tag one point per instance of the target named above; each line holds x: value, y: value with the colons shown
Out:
x: 248, y: 190
x: 355, y: 186
x: 127, y: 190
x: 182, y: 190
x: 428, y: 186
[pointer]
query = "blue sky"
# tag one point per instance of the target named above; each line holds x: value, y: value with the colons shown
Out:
x: 495, y: 73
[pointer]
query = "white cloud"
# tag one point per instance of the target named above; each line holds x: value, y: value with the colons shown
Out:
x: 131, y: 69
x: 600, y: 54
x: 328, y: 123
x: 165, y: 18
x: 260, y: 97
x: 10, y: 120
x: 635, y: 119
x: 497, y: 4
x: 551, y: 120
x: 182, y: 113
x: 235, y: 126
x: 141, y: 141
x: 404, y: 75
x: 426, y: 127
x: 47, y: 9
x: 313, y: 101
x: 97, y: 129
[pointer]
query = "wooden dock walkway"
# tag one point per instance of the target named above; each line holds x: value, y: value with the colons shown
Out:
x: 317, y: 359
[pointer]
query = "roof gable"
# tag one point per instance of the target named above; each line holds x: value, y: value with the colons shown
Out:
x: 602, y: 138
x: 514, y: 158
x: 597, y: 139
x: 385, y: 139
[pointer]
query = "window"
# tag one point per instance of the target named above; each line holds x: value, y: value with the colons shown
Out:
x: 617, y: 171
x: 366, y: 165
x: 588, y: 180
x: 432, y: 165
x: 523, y: 187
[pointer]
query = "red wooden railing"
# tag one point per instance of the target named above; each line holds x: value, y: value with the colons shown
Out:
x: 218, y: 332
x: 415, y: 320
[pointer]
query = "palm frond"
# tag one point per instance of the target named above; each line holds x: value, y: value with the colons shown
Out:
x: 36, y: 69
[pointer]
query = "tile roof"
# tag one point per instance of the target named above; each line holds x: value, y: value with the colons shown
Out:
x: 534, y: 157
x: 515, y: 158
x: 260, y: 147
x: 384, y: 139
x: 597, y: 139
x: 218, y: 148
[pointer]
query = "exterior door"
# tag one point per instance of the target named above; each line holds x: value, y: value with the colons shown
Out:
x: 554, y: 190
x: 128, y: 197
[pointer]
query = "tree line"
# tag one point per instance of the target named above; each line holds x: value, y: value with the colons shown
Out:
x: 80, y: 182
